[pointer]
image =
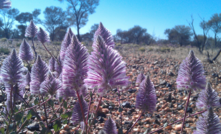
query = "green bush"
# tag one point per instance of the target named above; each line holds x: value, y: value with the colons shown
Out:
x: 4, y: 50
x: 18, y: 44
x: 142, y: 49
x: 150, y: 49
x: 57, y: 43
x: 164, y: 49
x: 3, y: 39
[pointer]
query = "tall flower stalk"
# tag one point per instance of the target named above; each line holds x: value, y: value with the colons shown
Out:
x: 190, y: 77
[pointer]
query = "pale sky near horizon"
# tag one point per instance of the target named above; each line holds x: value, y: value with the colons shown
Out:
x: 154, y: 15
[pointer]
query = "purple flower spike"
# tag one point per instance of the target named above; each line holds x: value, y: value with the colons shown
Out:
x: 12, y: 69
x: 65, y: 93
x: 50, y: 85
x: 191, y: 74
x: 77, y: 115
x: 140, y: 78
x: 105, y: 34
x: 107, y: 70
x: 64, y: 45
x: 110, y: 126
x: 146, y: 97
x: 31, y: 30
x: 28, y: 78
x: 43, y: 36
x: 209, y: 123
x: 74, y: 69
x: 5, y: 4
x: 38, y: 75
x: 51, y: 64
x: 25, y: 52
x: 208, y: 98
x: 17, y: 91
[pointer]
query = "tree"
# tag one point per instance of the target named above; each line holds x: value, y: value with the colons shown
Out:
x: 55, y: 18
x: 8, y: 20
x: 136, y: 34
x: 23, y: 18
x: 215, y: 24
x: 94, y: 28
x: 180, y: 34
x: 35, y: 15
x: 78, y: 11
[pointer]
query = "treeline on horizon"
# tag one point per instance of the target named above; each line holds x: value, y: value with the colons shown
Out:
x: 56, y: 21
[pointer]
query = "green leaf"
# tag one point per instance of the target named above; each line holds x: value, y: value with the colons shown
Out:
x: 65, y: 105
x: 2, y: 130
x: 13, y: 132
x: 51, y: 103
x: 120, y: 109
x: 64, y: 116
x: 65, y: 122
x: 61, y: 110
x: 57, y: 126
x: 18, y: 117
x: 36, y: 101
x: 60, y: 99
x: 11, y: 127
x: 91, y: 93
x: 43, y: 131
x: 29, y: 115
x: 120, y: 131
x: 69, y: 114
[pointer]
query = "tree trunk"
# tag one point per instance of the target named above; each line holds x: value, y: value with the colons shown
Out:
x: 215, y: 40
x: 78, y: 30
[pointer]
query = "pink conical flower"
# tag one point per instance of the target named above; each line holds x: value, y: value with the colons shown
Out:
x: 65, y: 43
x: 191, y: 73
x: 31, y: 30
x: 110, y: 126
x: 140, y: 78
x: 209, y: 123
x: 12, y: 69
x: 75, y: 68
x: 43, y: 36
x: 107, y: 70
x: 25, y: 52
x: 208, y: 98
x: 105, y: 34
x: 146, y: 97
x: 38, y: 75
x: 77, y: 115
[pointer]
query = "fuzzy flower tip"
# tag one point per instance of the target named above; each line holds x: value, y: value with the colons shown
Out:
x: 50, y: 85
x: 208, y: 98
x: 65, y: 93
x: 107, y: 70
x: 64, y: 45
x: 38, y: 75
x: 52, y: 64
x: 140, y: 78
x: 12, y: 69
x: 110, y: 126
x: 28, y: 78
x: 209, y: 123
x: 105, y: 34
x: 191, y: 74
x: 5, y: 4
x: 75, y: 65
x: 43, y: 36
x: 25, y: 52
x: 31, y: 30
x: 146, y: 97
x: 77, y: 115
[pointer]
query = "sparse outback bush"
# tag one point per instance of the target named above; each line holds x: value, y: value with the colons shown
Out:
x: 142, y: 49
x: 4, y: 39
x: 77, y: 75
x: 5, y: 51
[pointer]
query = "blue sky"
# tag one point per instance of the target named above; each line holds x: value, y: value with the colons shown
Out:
x: 154, y: 15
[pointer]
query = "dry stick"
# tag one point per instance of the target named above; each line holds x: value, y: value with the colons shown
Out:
x: 51, y: 54
x: 82, y: 111
x: 33, y: 106
x: 45, y: 112
x: 33, y: 46
x: 185, y: 110
x: 134, y: 123
x: 89, y: 107
x: 22, y: 126
x: 178, y: 121
x: 10, y: 118
x: 120, y: 107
